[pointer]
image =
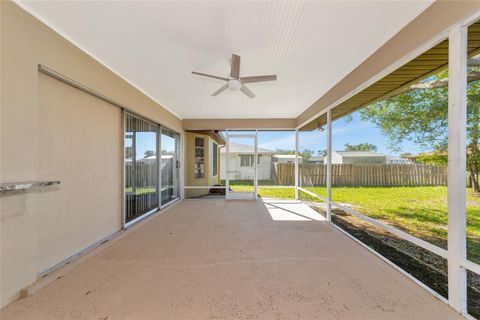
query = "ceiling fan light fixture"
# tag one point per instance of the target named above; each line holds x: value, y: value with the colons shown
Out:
x: 234, y: 84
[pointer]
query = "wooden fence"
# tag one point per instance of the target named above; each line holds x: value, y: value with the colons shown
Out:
x: 362, y: 174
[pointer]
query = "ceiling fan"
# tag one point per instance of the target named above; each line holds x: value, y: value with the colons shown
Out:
x: 235, y: 82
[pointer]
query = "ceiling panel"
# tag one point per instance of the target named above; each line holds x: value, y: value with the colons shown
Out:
x: 155, y: 46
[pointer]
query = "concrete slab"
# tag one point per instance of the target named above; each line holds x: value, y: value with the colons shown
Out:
x: 217, y: 259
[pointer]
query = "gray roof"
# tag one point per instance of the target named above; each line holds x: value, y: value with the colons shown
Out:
x: 241, y: 148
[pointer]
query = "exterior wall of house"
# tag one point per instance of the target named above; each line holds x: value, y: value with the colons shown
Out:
x: 49, y: 130
x: 209, y: 179
x: 336, y: 158
x: 245, y: 173
x: 360, y: 160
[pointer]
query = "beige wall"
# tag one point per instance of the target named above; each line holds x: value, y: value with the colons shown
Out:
x: 51, y: 131
x: 219, y: 124
x: 190, y: 179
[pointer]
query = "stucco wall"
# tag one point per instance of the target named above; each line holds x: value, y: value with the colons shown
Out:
x: 49, y: 131
x: 209, y: 178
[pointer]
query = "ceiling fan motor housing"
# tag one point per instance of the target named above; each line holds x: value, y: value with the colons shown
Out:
x: 234, y: 84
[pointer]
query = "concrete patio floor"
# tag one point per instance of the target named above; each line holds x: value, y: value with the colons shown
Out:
x: 217, y: 259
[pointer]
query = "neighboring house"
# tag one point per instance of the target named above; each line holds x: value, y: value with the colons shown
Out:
x: 315, y: 160
x: 241, y: 165
x: 366, y: 157
x: 285, y: 158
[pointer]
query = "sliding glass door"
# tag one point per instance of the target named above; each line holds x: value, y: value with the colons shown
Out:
x: 141, y: 167
x: 170, y: 164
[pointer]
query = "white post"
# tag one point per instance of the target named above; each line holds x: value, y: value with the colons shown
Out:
x: 296, y: 164
x: 329, y: 165
x: 227, y: 174
x: 457, y: 106
x: 255, y: 160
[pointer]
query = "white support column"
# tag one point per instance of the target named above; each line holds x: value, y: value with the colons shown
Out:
x: 255, y: 161
x: 329, y: 165
x: 227, y: 172
x: 457, y: 106
x: 296, y: 164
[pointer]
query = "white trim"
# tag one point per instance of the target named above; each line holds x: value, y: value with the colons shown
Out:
x: 457, y: 127
x: 312, y: 194
x: 123, y: 206
x: 276, y: 187
x: 470, y: 265
x: 171, y: 202
x: 408, y: 275
x: 204, y: 187
x: 101, y: 61
x: 329, y: 164
x: 143, y: 216
x: 419, y: 242
x: 296, y: 165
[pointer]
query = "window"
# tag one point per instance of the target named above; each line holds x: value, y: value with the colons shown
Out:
x: 199, y: 158
x: 141, y: 167
x: 215, y: 158
x: 246, y: 160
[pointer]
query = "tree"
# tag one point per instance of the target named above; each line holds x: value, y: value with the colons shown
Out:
x: 305, y: 154
x: 284, y: 151
x: 360, y: 147
x: 128, y: 152
x: 419, y: 113
x: 149, y: 153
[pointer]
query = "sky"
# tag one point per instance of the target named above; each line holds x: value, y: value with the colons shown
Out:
x: 352, y: 132
x: 147, y: 141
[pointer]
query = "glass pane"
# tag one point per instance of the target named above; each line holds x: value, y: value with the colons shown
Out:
x: 473, y: 145
x: 241, y: 165
x: 141, y: 167
x: 169, y: 165
x: 276, y: 164
x: 389, y: 162
x: 473, y: 294
x: 312, y: 145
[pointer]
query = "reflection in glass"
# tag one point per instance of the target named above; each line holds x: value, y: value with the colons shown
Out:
x: 141, y: 167
x: 170, y: 157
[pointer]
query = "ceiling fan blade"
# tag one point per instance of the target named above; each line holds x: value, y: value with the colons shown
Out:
x: 223, y: 88
x: 247, y: 91
x: 209, y: 75
x: 258, y: 79
x: 235, y: 67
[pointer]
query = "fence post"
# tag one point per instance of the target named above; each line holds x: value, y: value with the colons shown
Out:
x: 457, y: 105
x: 329, y: 165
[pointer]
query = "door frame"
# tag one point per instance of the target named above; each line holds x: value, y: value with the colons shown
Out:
x: 241, y: 195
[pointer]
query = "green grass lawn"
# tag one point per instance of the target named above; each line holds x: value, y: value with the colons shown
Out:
x: 420, y: 211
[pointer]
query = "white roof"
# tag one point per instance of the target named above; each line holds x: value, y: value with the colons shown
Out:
x: 242, y: 148
x: 360, y: 154
x: 155, y: 45
x: 286, y: 156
